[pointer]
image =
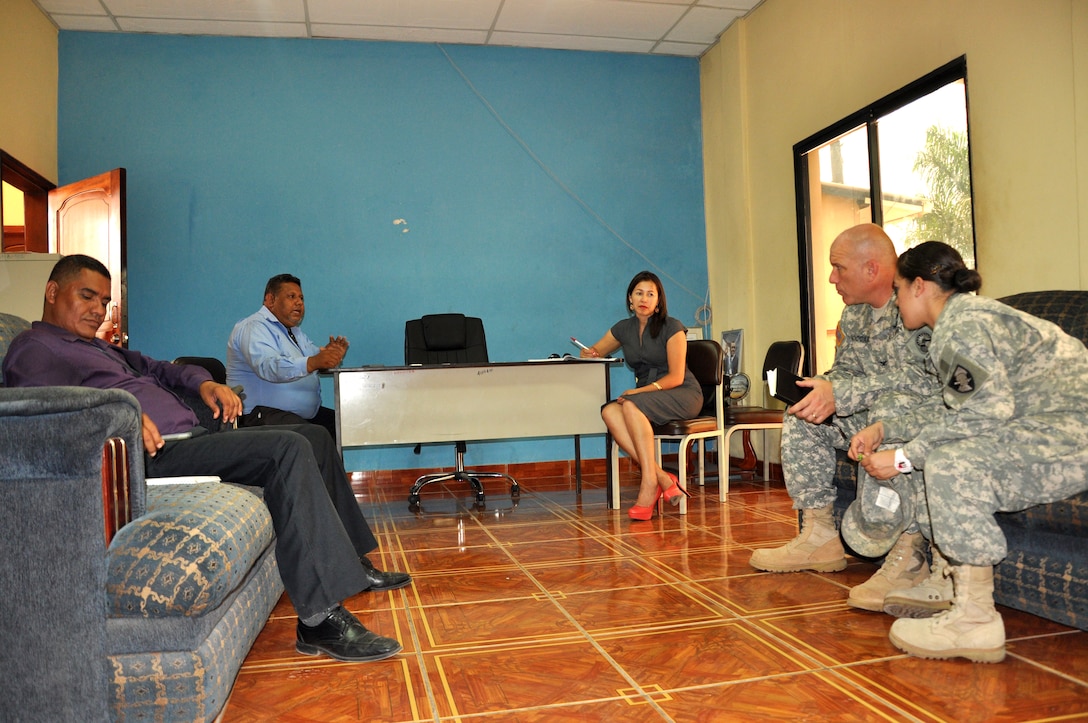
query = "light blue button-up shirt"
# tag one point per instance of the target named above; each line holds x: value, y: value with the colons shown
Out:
x: 272, y: 370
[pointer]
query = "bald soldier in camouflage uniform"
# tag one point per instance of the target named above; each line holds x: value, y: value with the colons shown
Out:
x: 1013, y: 432
x: 878, y: 365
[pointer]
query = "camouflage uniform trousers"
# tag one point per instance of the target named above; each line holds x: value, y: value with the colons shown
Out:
x: 809, y: 459
x: 968, y: 480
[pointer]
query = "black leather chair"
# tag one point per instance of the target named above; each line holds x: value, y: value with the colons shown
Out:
x: 213, y: 365
x: 219, y: 375
x: 789, y: 355
x: 450, y: 339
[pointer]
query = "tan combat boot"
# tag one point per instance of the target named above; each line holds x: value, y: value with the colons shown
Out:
x: 929, y: 597
x: 971, y: 629
x: 817, y: 547
x: 904, y: 567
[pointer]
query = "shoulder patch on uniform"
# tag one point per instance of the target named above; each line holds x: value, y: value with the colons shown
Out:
x: 921, y: 339
x: 962, y: 380
x: 961, y: 375
x: 917, y: 343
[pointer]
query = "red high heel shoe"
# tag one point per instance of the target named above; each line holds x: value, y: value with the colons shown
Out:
x: 644, y: 514
x: 676, y: 492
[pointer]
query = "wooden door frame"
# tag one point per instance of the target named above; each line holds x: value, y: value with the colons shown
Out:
x: 35, y: 188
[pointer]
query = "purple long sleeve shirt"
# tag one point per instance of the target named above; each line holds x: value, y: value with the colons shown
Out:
x: 47, y: 355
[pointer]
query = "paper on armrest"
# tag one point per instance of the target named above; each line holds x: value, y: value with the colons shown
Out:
x: 182, y: 480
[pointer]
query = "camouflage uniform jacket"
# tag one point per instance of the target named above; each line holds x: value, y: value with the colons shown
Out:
x: 875, y: 354
x: 1008, y: 376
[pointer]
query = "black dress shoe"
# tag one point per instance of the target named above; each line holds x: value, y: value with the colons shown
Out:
x: 383, y: 580
x: 343, y: 637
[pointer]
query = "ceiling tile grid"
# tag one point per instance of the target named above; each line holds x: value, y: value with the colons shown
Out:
x: 668, y: 27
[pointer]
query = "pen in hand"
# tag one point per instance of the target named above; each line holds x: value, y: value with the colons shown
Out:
x: 583, y: 347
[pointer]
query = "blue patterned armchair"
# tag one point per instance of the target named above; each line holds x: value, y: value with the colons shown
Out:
x: 156, y: 625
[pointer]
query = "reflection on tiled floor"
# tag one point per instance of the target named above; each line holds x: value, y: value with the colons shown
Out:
x: 559, y: 609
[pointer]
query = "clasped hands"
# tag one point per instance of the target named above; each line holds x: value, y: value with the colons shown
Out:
x: 863, y: 448
x: 330, y: 355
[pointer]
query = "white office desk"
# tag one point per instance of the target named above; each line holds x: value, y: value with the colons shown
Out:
x: 377, y: 406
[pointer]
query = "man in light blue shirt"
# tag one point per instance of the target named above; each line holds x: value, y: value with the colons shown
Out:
x: 276, y: 363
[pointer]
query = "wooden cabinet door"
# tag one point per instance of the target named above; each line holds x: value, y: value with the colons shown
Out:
x: 88, y: 217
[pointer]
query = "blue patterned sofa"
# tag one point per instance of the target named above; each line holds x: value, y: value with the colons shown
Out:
x: 1046, y: 570
x: 156, y: 625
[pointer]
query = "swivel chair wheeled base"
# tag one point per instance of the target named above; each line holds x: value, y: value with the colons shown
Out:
x: 461, y: 475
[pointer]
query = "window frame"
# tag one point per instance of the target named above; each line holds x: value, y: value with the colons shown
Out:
x: 868, y: 116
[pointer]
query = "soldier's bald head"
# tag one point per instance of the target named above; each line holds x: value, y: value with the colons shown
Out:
x: 863, y: 265
x: 868, y: 242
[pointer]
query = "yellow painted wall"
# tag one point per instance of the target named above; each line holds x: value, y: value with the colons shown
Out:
x: 28, y: 86
x: 794, y: 67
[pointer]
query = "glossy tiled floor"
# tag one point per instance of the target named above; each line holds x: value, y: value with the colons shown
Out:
x: 558, y: 609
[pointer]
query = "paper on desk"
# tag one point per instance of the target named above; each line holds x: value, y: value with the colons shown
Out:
x: 571, y: 357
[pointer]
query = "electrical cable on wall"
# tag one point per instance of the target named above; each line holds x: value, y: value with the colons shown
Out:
x: 548, y: 171
x: 704, y: 315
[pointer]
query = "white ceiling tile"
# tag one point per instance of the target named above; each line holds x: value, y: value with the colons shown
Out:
x: 601, y: 18
x: 75, y: 7
x: 703, y: 25
x: 475, y: 14
x: 247, y: 10
x: 212, y: 27
x: 693, y: 50
x: 674, y: 27
x: 571, y: 42
x: 408, y: 35
x: 94, y: 23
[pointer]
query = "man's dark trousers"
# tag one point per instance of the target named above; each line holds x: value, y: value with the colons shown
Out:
x: 320, y: 531
x: 262, y: 416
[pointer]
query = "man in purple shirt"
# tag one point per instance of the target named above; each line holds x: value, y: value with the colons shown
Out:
x: 321, y: 536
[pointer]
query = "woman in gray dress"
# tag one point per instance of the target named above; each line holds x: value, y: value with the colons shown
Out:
x: 655, y: 346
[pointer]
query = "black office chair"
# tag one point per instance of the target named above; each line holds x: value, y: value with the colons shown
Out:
x: 450, y: 339
x: 213, y: 365
x: 789, y: 355
x: 219, y: 375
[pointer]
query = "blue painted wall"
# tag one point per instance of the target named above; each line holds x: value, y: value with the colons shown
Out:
x: 522, y: 186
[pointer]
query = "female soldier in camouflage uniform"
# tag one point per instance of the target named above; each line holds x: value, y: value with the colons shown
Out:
x: 1014, y: 433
